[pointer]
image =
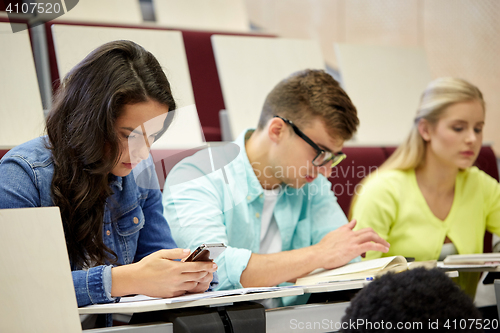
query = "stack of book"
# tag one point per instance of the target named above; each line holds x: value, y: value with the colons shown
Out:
x: 364, y: 270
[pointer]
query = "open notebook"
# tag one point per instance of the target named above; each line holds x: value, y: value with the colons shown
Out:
x: 367, y: 269
x: 37, y: 293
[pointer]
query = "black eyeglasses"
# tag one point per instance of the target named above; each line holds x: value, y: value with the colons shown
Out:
x: 323, y: 157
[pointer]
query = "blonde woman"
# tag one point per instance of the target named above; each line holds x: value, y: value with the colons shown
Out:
x: 427, y: 200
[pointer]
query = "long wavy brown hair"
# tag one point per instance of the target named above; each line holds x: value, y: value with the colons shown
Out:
x: 83, y: 141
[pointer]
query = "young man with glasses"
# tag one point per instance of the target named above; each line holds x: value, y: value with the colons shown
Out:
x: 273, y: 205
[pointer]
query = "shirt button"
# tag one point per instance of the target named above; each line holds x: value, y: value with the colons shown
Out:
x: 261, y: 196
x: 108, y: 232
x: 136, y: 220
x: 257, y: 215
x: 249, y: 197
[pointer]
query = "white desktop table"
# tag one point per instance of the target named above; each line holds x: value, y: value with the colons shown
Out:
x: 285, y: 319
x: 469, y: 268
x: 277, y: 320
x: 161, y: 304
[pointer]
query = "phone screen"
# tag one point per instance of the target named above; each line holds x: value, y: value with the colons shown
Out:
x: 206, y: 252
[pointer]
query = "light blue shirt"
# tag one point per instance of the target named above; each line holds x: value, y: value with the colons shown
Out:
x: 225, y: 206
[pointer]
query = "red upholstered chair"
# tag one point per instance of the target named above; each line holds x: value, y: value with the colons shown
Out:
x: 17, y: 20
x: 202, y: 68
x: 13, y: 20
x: 486, y: 160
x: 13, y: 3
x: 360, y: 162
x: 3, y: 152
x: 388, y: 151
x: 166, y: 159
x: 205, y: 79
x: 54, y: 72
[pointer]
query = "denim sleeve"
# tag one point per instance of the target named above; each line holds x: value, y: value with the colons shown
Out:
x: 18, y: 184
x: 93, y: 286
x: 155, y: 235
x: 215, y: 282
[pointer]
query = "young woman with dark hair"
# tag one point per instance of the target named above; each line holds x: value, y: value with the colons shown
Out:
x: 108, y: 111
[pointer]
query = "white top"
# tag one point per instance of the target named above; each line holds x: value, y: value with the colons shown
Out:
x: 446, y: 250
x: 270, y: 238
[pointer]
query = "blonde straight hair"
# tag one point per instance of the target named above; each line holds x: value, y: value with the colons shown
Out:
x: 437, y: 97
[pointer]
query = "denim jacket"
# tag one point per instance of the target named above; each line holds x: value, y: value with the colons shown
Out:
x: 133, y: 228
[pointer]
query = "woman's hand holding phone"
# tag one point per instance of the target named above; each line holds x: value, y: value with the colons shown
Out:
x: 160, y: 275
x: 206, y: 252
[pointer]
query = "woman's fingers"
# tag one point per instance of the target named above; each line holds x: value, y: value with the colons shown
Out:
x: 198, y: 266
x: 173, y: 253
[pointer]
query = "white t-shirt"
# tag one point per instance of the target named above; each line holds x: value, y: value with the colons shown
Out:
x: 270, y: 238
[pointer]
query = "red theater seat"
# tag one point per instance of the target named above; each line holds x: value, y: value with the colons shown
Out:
x: 3, y: 152
x: 360, y: 162
x: 205, y: 79
x: 486, y: 160
x: 18, y: 20
x: 202, y: 68
x: 14, y: 20
x: 166, y: 159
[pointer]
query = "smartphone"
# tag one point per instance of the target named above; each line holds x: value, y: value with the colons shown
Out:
x: 206, y: 252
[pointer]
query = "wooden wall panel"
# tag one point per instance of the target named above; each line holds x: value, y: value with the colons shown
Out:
x: 462, y: 38
x: 320, y: 20
x: 382, y: 22
x: 260, y: 13
x: 313, y: 19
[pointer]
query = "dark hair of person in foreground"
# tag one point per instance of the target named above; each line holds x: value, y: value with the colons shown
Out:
x: 419, y: 295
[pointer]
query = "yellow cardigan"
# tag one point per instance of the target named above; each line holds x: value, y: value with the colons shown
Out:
x: 392, y: 204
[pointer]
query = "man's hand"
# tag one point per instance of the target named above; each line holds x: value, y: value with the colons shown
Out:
x: 340, y: 246
x: 337, y: 248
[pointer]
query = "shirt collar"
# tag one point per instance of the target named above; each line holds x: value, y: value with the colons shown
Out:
x: 254, y: 187
x: 116, y: 181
